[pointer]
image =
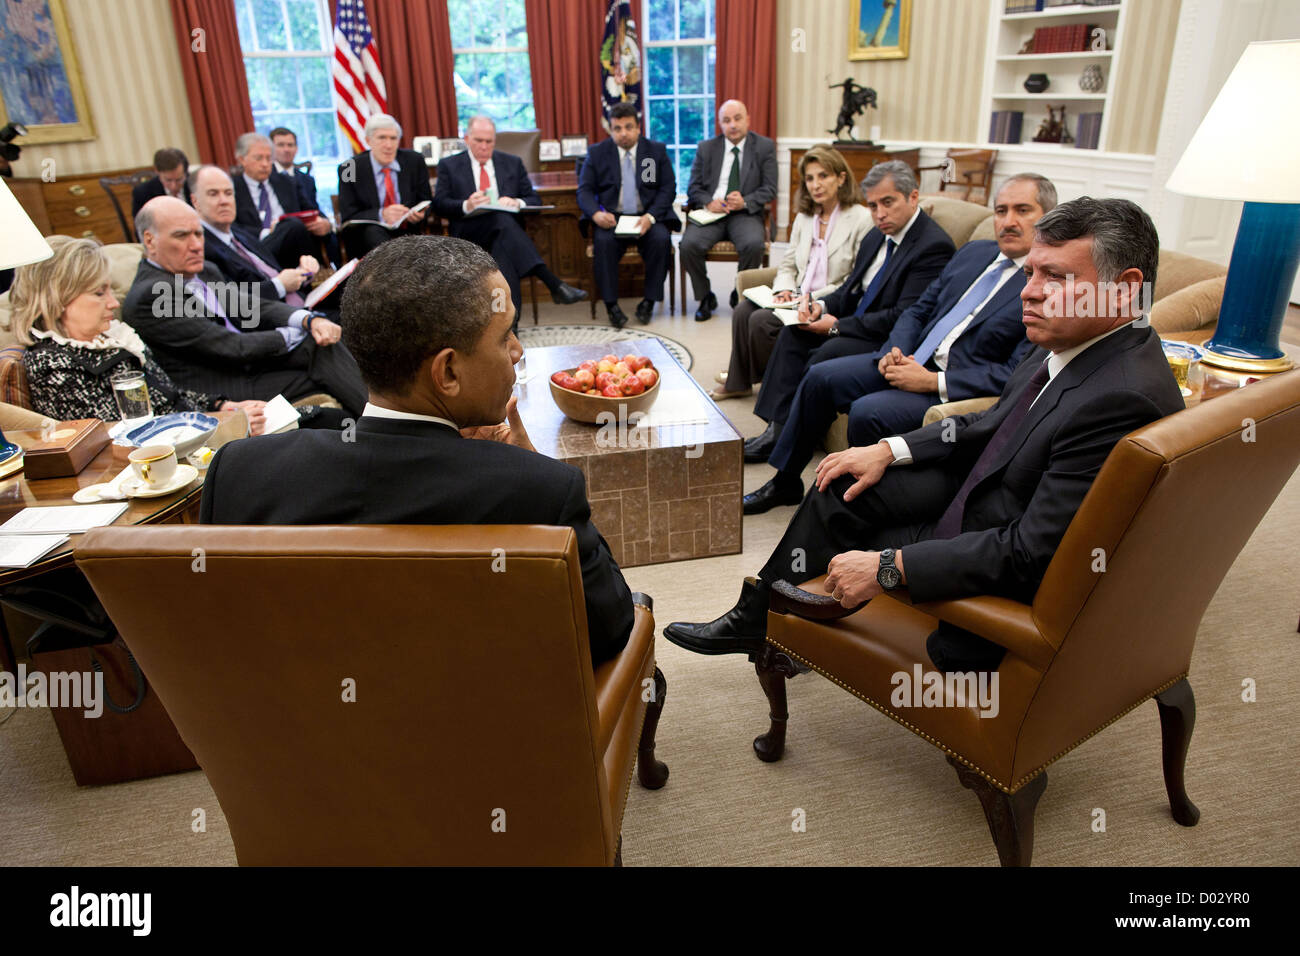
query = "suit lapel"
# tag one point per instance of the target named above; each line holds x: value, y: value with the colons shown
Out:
x: 867, y: 254
x: 840, y: 234
x: 906, y: 248
x: 366, y: 180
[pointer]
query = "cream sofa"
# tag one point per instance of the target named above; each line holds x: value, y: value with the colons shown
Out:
x: 1185, y: 306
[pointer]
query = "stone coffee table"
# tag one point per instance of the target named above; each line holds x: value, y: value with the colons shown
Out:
x: 657, y: 494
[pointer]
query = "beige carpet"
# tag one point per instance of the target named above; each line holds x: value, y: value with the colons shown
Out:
x: 872, y: 793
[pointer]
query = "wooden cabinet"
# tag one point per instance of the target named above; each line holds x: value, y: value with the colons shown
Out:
x: 72, y: 206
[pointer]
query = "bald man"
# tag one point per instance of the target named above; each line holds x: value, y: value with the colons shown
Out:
x: 735, y: 174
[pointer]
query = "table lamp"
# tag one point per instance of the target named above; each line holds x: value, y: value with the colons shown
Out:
x: 21, y: 243
x: 1246, y: 149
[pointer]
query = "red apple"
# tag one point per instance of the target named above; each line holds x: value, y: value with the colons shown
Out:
x: 637, y: 362
x: 648, y: 377
x: 611, y: 391
x: 621, y: 370
x: 589, y: 364
x: 604, y: 378
x: 585, y: 378
x: 632, y: 385
x: 611, y: 358
x: 556, y: 376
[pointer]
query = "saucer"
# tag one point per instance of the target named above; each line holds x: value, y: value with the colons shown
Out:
x: 93, y: 493
x: 133, y: 488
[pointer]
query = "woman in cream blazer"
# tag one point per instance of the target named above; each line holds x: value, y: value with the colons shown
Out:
x: 824, y: 240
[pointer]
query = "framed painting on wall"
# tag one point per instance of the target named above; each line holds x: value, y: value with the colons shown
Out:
x: 879, y: 29
x: 40, y: 80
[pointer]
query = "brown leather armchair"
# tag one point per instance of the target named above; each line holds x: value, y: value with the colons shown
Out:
x: 1110, y: 626
x: 389, y: 695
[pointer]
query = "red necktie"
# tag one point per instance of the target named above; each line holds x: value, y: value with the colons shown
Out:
x: 390, y: 196
x: 484, y: 184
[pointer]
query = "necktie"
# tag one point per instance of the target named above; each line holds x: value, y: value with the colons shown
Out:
x: 869, y: 293
x: 264, y: 205
x: 290, y: 298
x: 210, y: 300
x: 628, y: 202
x: 484, y: 184
x: 976, y: 294
x: 733, y: 178
x: 949, y: 525
x: 390, y: 194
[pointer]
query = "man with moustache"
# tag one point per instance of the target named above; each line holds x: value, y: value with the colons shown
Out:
x: 978, y: 505
x: 961, y: 339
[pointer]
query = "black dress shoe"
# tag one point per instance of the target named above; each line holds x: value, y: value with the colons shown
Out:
x: 617, y: 317
x: 776, y: 492
x: 707, y: 305
x: 735, y: 297
x: 760, y: 448
x: 644, y: 310
x: 565, y: 294
x: 742, y: 630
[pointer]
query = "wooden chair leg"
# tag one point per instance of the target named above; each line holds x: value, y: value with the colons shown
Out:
x: 774, y: 667
x: 532, y: 288
x: 1010, y: 815
x: 652, y: 773
x: 618, y: 854
x: 1177, y: 718
x: 672, y: 281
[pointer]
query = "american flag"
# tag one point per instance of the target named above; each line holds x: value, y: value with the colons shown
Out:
x: 358, y: 81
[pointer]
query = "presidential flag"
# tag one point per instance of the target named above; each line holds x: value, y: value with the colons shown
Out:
x: 359, y: 87
x: 620, y: 60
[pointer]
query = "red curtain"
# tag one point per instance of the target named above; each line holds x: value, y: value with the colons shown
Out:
x: 213, y: 65
x: 564, y: 53
x: 746, y: 65
x: 414, y: 41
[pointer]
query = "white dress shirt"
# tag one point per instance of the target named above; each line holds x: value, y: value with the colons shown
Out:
x: 727, y: 159
x: 878, y: 263
x: 255, y: 190
x: 474, y: 167
x: 941, y: 353
x: 375, y: 411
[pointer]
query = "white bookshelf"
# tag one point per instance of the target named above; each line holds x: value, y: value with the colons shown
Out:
x: 1006, y: 69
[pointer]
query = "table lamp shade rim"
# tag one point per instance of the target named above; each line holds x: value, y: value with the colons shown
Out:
x: 1243, y: 149
x: 21, y: 243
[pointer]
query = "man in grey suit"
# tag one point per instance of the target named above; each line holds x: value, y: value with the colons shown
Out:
x: 735, y: 174
x: 217, y: 336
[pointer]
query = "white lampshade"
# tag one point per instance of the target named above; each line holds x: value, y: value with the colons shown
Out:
x: 21, y: 242
x: 1246, y: 147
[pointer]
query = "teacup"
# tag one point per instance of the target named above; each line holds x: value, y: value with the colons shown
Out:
x: 154, y: 465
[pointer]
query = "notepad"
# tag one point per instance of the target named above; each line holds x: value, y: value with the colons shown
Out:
x: 702, y: 217
x: 62, y: 519
x: 330, y: 284
x: 497, y: 207
x: 280, y: 415
x: 418, y: 207
x: 787, y: 316
x: 762, y: 296
x: 24, y: 550
x: 628, y: 226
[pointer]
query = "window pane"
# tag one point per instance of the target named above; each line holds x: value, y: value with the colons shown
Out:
x: 663, y: 121
x: 710, y: 70
x: 685, y: 159
x: 256, y: 84
x: 659, y: 70
x: 487, y: 23
x: 519, y: 116
x: 281, y: 83
x: 244, y: 20
x: 322, y: 137
x: 692, y: 20
x: 690, y: 69
x: 466, y: 76
x: 492, y: 75
x: 662, y: 18
x: 692, y: 118
x: 519, y: 82
x: 515, y: 24
x: 269, y: 17
x: 460, y: 13
x: 317, y: 84
x: 305, y: 25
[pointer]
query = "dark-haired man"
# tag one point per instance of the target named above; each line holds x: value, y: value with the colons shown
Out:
x: 978, y: 504
x: 628, y: 175
x: 421, y: 314
x: 171, y: 167
x: 284, y: 150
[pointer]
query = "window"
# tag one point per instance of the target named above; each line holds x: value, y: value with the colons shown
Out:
x: 288, y: 47
x: 680, y: 56
x: 489, y: 39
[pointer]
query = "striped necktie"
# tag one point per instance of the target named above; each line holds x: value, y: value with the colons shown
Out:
x: 290, y: 298
x: 264, y: 205
x: 977, y: 293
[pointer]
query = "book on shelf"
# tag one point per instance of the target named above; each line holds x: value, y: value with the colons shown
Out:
x: 1023, y: 6
x: 1088, y: 131
x: 1071, y: 38
x: 1006, y: 126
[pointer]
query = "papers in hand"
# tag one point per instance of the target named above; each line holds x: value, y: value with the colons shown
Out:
x: 787, y: 316
x: 62, y: 519
x: 498, y: 207
x: 702, y: 217
x: 330, y: 284
x: 418, y: 207
x: 765, y: 298
x: 628, y: 226
x: 280, y: 415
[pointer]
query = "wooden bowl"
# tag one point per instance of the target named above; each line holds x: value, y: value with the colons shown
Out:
x: 586, y: 408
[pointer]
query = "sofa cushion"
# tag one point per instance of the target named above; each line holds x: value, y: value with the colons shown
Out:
x: 984, y: 230
x: 1191, y: 308
x: 13, y: 377
x: 1177, y: 270
x: 957, y: 217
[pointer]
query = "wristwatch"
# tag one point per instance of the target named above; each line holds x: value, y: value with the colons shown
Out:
x: 887, y: 575
x: 834, y: 329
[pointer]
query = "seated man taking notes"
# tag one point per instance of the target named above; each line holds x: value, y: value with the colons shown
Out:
x: 440, y: 441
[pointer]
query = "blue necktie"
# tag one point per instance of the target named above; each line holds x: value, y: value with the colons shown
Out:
x: 264, y: 204
x: 628, y: 201
x: 976, y: 294
x: 869, y: 293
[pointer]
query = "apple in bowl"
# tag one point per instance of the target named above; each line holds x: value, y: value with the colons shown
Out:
x: 611, y: 384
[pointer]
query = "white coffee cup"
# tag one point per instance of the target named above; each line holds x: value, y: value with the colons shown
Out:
x: 154, y: 465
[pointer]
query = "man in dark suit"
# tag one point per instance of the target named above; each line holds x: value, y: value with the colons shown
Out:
x: 440, y: 441
x: 236, y: 250
x: 628, y: 175
x: 896, y: 262
x: 218, y: 336
x: 480, y: 176
x: 961, y: 339
x: 978, y: 504
x: 263, y: 197
x: 171, y: 167
x: 383, y: 184
x: 284, y: 149
x: 735, y: 174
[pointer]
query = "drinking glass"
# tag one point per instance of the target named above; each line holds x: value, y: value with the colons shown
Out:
x: 132, y: 396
